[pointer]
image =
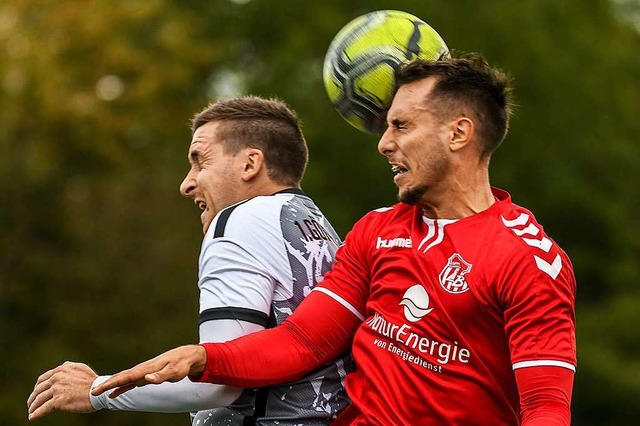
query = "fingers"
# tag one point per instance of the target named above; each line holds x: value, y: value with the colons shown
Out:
x: 119, y: 391
x: 43, y: 388
x: 169, y: 373
x: 171, y: 366
x: 64, y: 388
x: 125, y: 379
x: 44, y: 409
x: 40, y: 403
x: 41, y: 384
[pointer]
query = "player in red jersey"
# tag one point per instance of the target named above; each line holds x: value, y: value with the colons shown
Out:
x: 460, y: 307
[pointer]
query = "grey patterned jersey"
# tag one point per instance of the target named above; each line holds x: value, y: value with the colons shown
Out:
x: 259, y: 260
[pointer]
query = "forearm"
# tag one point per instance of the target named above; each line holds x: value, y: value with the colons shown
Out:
x: 545, y: 395
x: 184, y: 395
x: 179, y: 397
x: 318, y: 331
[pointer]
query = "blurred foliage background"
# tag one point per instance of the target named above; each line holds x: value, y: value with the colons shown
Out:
x: 98, y: 251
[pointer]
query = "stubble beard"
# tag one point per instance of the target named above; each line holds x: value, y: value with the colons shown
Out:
x: 412, y: 195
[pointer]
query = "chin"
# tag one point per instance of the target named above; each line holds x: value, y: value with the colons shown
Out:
x: 205, y: 227
x: 411, y: 195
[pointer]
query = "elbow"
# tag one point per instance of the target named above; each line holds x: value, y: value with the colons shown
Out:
x: 218, y: 395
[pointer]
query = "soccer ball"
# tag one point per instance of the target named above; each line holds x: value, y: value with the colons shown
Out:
x: 359, y: 66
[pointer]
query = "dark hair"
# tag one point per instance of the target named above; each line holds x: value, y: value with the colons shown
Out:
x: 467, y: 80
x: 266, y: 124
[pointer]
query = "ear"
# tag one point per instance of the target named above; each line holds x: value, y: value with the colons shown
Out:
x: 253, y: 163
x: 462, y: 130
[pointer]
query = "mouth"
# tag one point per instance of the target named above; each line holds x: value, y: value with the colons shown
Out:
x: 205, y: 215
x: 398, y: 169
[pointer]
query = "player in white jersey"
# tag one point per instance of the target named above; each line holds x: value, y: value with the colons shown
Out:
x: 271, y: 250
x: 265, y: 248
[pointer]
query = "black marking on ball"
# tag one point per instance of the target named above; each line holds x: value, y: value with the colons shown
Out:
x: 413, y: 48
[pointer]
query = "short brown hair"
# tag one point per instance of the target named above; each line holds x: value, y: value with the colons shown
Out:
x: 467, y: 80
x: 266, y: 124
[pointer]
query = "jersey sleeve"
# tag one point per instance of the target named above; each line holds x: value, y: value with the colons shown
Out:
x: 233, y: 283
x: 184, y: 395
x: 179, y: 397
x: 236, y: 290
x: 284, y: 353
x: 538, y: 296
x: 545, y: 395
x: 349, y: 279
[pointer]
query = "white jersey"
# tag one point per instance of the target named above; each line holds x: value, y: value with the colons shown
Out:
x: 258, y: 261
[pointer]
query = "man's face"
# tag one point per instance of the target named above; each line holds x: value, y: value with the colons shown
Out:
x: 415, y: 142
x: 213, y: 181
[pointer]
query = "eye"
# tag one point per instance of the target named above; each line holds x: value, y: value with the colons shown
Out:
x: 194, y: 159
x: 398, y: 124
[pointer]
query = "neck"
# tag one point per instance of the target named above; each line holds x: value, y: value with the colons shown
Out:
x: 266, y: 188
x: 463, y: 195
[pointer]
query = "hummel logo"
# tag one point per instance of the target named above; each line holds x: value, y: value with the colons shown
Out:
x: 551, y: 269
x: 394, y: 242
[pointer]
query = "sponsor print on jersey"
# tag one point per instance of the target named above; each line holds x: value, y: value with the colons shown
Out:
x: 523, y: 227
x: 416, y: 303
x: 409, y: 342
x: 452, y: 276
x: 311, y: 244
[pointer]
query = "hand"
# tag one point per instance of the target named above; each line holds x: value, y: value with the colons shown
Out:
x: 171, y: 366
x: 65, y: 388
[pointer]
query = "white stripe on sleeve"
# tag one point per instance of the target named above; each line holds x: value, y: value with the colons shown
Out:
x: 544, y: 362
x: 341, y: 301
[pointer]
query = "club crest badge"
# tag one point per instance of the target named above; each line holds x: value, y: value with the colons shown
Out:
x: 452, y: 276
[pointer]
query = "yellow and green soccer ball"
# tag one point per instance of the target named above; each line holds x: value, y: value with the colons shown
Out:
x: 359, y: 66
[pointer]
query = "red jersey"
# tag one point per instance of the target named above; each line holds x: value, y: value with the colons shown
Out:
x: 450, y: 308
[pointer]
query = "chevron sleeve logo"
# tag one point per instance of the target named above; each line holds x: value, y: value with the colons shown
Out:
x: 527, y: 231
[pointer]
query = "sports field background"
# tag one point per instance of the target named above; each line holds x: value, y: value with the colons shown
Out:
x: 98, y: 251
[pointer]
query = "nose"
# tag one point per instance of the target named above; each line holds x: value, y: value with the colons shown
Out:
x: 188, y: 185
x: 386, y: 144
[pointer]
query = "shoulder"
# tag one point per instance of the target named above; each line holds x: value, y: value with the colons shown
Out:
x: 386, y: 220
x: 385, y: 215
x: 246, y: 234
x: 524, y: 231
x: 525, y: 248
x: 246, y: 218
x: 515, y: 230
